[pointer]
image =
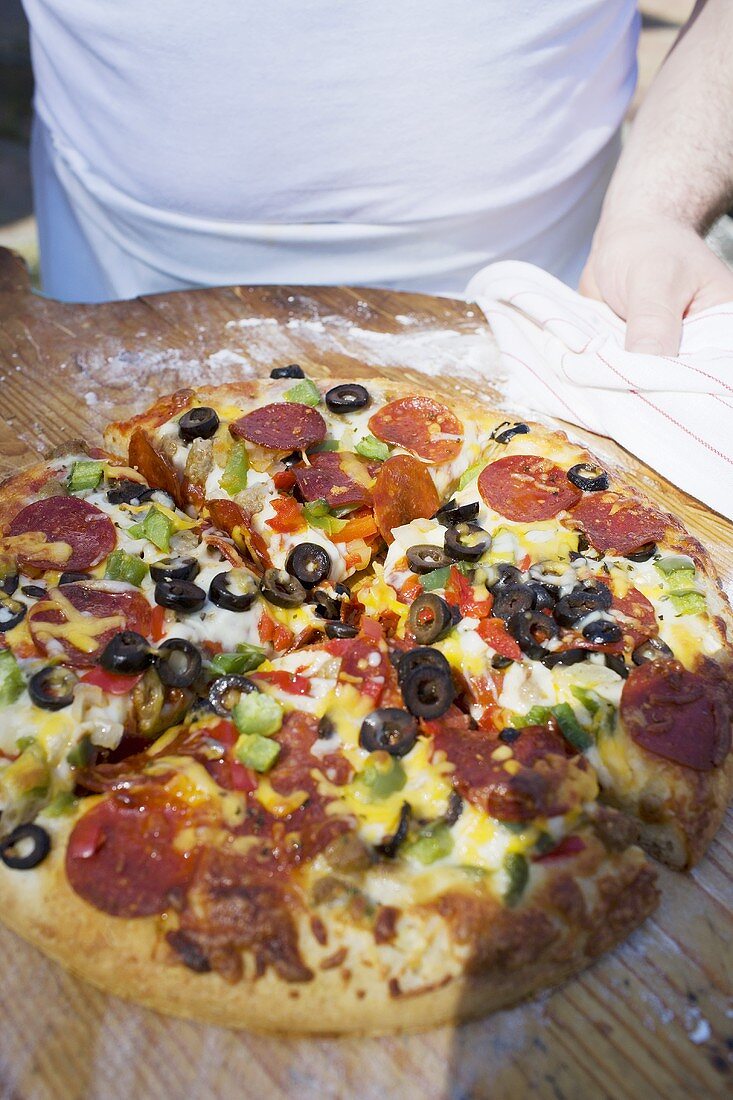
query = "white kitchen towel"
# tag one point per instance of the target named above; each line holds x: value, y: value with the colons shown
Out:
x: 564, y: 356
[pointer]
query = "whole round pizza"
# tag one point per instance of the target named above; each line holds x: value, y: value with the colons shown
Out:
x: 334, y: 707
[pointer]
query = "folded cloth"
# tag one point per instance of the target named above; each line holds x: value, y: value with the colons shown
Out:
x: 564, y: 356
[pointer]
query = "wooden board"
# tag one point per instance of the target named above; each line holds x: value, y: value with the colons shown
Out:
x: 655, y: 1018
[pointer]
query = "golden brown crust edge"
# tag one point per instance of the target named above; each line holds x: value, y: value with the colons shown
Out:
x: 484, y: 957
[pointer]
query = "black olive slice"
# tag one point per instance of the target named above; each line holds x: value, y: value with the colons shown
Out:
x: 531, y: 629
x: 291, y: 371
x: 340, y: 630
x: 293, y: 458
x: 616, y: 663
x: 466, y: 542
x: 653, y: 649
x: 566, y: 657
x: 391, y: 844
x: 543, y: 598
x: 178, y: 663
x: 34, y: 591
x: 326, y: 728
x: 12, y: 612
x: 511, y: 600
x: 73, y: 578
x: 9, y: 583
x: 588, y: 477
x: 129, y: 492
x: 52, y: 687
x: 174, y: 569
x: 429, y: 617
x: 234, y: 590
x: 421, y: 657
x: 199, y: 423
x: 427, y: 691
x: 498, y: 662
x: 424, y: 558
x: 326, y: 606
x: 581, y: 602
x: 602, y: 632
x: 508, y: 433
x: 282, y: 590
x: 349, y: 397
x: 450, y: 513
x: 126, y: 652
x: 180, y: 595
x: 225, y: 692
x: 510, y: 735
x: 455, y: 808
x: 644, y: 553
x: 389, y: 729
x: 309, y: 563
x: 15, y: 851
x: 508, y: 575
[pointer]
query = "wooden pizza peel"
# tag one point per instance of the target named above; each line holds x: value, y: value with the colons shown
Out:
x: 653, y: 1019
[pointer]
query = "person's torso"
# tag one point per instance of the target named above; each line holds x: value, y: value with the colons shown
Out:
x: 318, y: 111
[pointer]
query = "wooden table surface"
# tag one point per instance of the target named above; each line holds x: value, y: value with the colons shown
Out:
x: 653, y: 1019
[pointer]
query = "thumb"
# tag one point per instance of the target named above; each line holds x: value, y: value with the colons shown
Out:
x: 655, y: 304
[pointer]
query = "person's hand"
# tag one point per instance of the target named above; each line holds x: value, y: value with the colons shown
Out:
x: 652, y: 273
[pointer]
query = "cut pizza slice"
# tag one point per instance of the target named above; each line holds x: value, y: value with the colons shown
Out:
x: 559, y: 596
x: 281, y: 463
x: 322, y: 858
x: 115, y: 606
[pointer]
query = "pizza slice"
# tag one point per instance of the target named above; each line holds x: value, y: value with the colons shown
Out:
x: 560, y: 596
x: 114, y: 606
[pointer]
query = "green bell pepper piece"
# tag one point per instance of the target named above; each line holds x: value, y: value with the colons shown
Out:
x: 688, y: 603
x: 571, y: 728
x: 234, y: 477
x: 319, y: 516
x: 156, y: 528
x: 671, y: 563
x: 680, y: 580
x: 257, y: 713
x: 257, y: 752
x: 537, y: 716
x: 122, y: 566
x: 304, y: 393
x: 517, y: 871
x: 432, y: 843
x: 81, y: 754
x: 325, y: 445
x: 63, y: 803
x: 436, y: 578
x: 245, y: 659
x: 382, y: 775
x: 11, y: 678
x: 85, y: 474
x: 371, y: 447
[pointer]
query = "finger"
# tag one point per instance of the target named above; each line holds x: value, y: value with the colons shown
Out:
x: 588, y: 286
x: 656, y: 302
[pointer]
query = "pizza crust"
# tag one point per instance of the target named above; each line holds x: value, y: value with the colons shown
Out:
x: 475, y: 956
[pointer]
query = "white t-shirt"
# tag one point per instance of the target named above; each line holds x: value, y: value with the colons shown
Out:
x: 378, y: 142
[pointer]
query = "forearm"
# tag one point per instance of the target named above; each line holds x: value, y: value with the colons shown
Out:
x: 678, y: 160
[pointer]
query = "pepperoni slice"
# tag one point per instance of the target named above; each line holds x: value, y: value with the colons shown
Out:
x: 677, y: 714
x: 282, y: 426
x: 526, y: 488
x: 78, y: 621
x: 340, y: 478
x: 637, y: 617
x: 86, y: 530
x: 155, y: 467
x: 618, y: 524
x: 421, y: 425
x: 121, y: 856
x: 403, y: 491
x: 535, y: 785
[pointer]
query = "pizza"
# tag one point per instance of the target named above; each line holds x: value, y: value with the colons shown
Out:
x: 337, y: 708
